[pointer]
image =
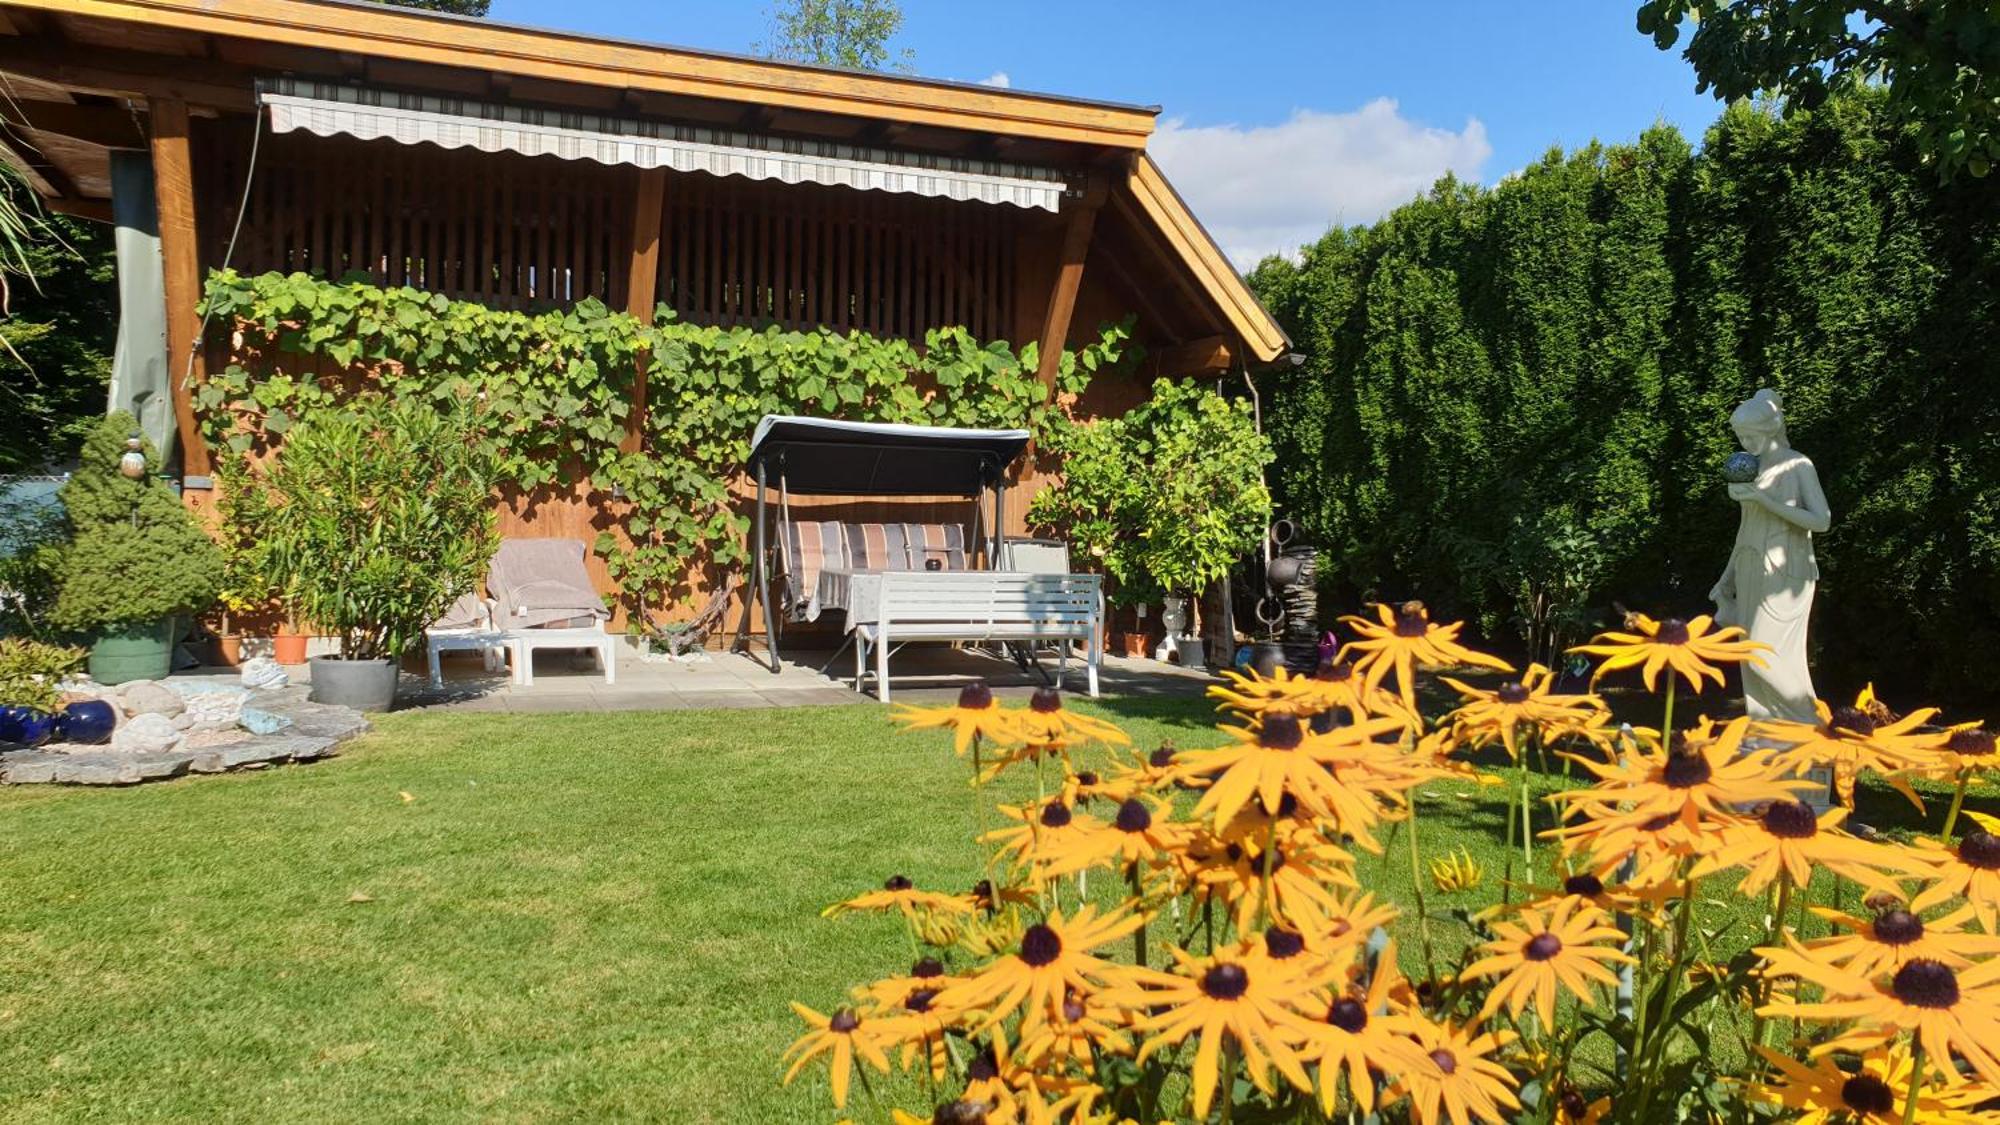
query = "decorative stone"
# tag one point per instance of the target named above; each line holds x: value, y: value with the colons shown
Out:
x: 119, y: 769
x: 221, y: 708
x: 148, y: 733
x: 263, y: 672
x: 148, y: 698
x: 257, y: 720
x: 29, y: 767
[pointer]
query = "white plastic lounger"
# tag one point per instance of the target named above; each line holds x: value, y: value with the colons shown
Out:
x: 540, y: 590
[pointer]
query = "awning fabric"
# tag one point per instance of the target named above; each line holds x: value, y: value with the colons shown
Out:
x: 823, y: 457
x: 327, y: 109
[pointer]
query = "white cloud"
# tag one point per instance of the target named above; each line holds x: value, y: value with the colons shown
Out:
x: 1269, y: 189
x: 997, y: 78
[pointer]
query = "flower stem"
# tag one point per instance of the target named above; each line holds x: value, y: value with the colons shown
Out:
x: 1772, y: 934
x: 1667, y: 721
x: 1270, y: 849
x: 1228, y: 1079
x: 1417, y: 884
x: 1957, y: 802
x: 1916, y: 1079
x: 1527, y: 828
x: 1139, y: 935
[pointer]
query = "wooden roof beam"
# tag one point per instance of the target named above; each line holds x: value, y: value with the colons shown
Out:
x: 1210, y: 355
x: 127, y: 74
x: 97, y: 125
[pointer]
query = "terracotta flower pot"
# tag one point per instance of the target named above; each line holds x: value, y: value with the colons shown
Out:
x: 289, y: 648
x: 229, y: 649
x: 1132, y: 644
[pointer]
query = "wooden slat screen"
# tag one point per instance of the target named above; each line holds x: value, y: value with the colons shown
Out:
x: 529, y: 233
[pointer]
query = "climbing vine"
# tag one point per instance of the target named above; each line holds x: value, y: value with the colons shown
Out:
x: 558, y: 385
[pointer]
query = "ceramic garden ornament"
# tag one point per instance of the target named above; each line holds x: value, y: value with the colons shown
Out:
x: 1767, y: 588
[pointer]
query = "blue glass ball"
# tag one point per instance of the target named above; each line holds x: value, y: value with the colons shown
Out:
x: 88, y: 721
x: 1741, y: 468
x: 25, y: 726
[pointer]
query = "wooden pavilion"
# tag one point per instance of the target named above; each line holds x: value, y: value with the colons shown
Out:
x: 527, y: 168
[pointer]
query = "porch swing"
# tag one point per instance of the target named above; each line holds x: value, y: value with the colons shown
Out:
x: 906, y: 580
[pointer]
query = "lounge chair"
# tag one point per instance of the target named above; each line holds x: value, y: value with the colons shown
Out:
x: 468, y: 626
x: 543, y: 599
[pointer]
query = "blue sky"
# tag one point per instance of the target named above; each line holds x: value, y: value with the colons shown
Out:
x: 1279, y: 118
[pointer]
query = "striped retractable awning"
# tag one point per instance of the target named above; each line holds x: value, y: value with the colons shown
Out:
x: 325, y: 109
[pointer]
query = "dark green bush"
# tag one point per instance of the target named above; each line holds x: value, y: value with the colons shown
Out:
x: 1556, y: 357
x: 135, y: 555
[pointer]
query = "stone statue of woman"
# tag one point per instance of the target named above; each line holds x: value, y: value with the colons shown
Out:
x: 1767, y: 588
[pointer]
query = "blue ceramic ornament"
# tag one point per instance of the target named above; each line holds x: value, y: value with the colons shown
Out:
x: 25, y: 726
x: 88, y: 721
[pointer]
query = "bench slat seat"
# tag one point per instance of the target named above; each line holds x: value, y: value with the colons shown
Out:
x: 980, y: 605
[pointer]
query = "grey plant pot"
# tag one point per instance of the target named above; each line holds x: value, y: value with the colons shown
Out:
x: 365, y: 685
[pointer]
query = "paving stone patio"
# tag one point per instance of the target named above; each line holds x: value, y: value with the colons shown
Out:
x: 921, y: 674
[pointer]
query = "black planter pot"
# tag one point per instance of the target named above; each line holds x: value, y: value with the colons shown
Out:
x: 365, y: 685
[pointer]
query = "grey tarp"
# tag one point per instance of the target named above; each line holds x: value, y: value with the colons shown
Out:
x: 140, y: 380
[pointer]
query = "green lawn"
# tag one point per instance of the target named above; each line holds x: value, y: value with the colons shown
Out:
x: 574, y: 917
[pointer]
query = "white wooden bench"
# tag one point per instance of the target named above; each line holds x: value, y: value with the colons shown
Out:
x: 897, y: 607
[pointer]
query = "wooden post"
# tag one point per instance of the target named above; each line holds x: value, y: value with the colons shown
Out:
x: 180, y: 261
x: 642, y: 286
x: 1069, y: 279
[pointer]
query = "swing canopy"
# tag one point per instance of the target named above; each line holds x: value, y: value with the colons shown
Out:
x: 824, y: 457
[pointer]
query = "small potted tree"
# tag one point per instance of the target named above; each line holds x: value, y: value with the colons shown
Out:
x: 137, y: 562
x: 1168, y: 495
x: 380, y: 515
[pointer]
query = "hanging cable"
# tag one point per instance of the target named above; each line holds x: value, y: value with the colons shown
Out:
x: 229, y: 249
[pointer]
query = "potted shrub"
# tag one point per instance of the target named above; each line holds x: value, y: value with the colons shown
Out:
x: 1167, y: 496
x: 137, y: 562
x: 380, y: 514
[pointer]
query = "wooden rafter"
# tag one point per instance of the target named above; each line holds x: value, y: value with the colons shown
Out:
x: 98, y: 125
x: 128, y: 74
x: 418, y: 37
x: 1068, y: 279
x: 648, y: 197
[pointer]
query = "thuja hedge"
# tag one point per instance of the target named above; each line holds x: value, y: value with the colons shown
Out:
x: 557, y: 390
x: 1514, y: 392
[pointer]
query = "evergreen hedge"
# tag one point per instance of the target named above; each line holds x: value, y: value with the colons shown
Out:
x: 1515, y: 392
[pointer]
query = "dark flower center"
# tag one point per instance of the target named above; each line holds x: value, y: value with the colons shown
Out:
x: 1898, y: 927
x: 1573, y: 1105
x: 1133, y: 817
x: 975, y: 696
x: 1410, y: 620
x: 1981, y: 850
x: 1045, y: 700
x: 927, y: 968
x: 1865, y: 1093
x: 1333, y: 671
x: 1072, y: 1008
x: 1040, y: 945
x: 960, y: 1113
x: 1445, y: 1060
x: 1790, y: 820
x: 1326, y: 722
x: 1659, y: 823
x: 1055, y: 814
x: 982, y: 891
x: 1685, y: 770
x: 1281, y: 731
x: 919, y: 1000
x: 1673, y: 631
x: 1513, y: 693
x: 1586, y: 884
x: 983, y: 1067
x: 1924, y: 983
x: 1225, y: 981
x: 1163, y: 757
x: 843, y: 1022
x: 1348, y: 1015
x: 898, y: 883
x: 1282, y: 943
x: 1541, y: 947
x: 1970, y: 742
x: 1087, y: 777
x: 1853, y: 720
